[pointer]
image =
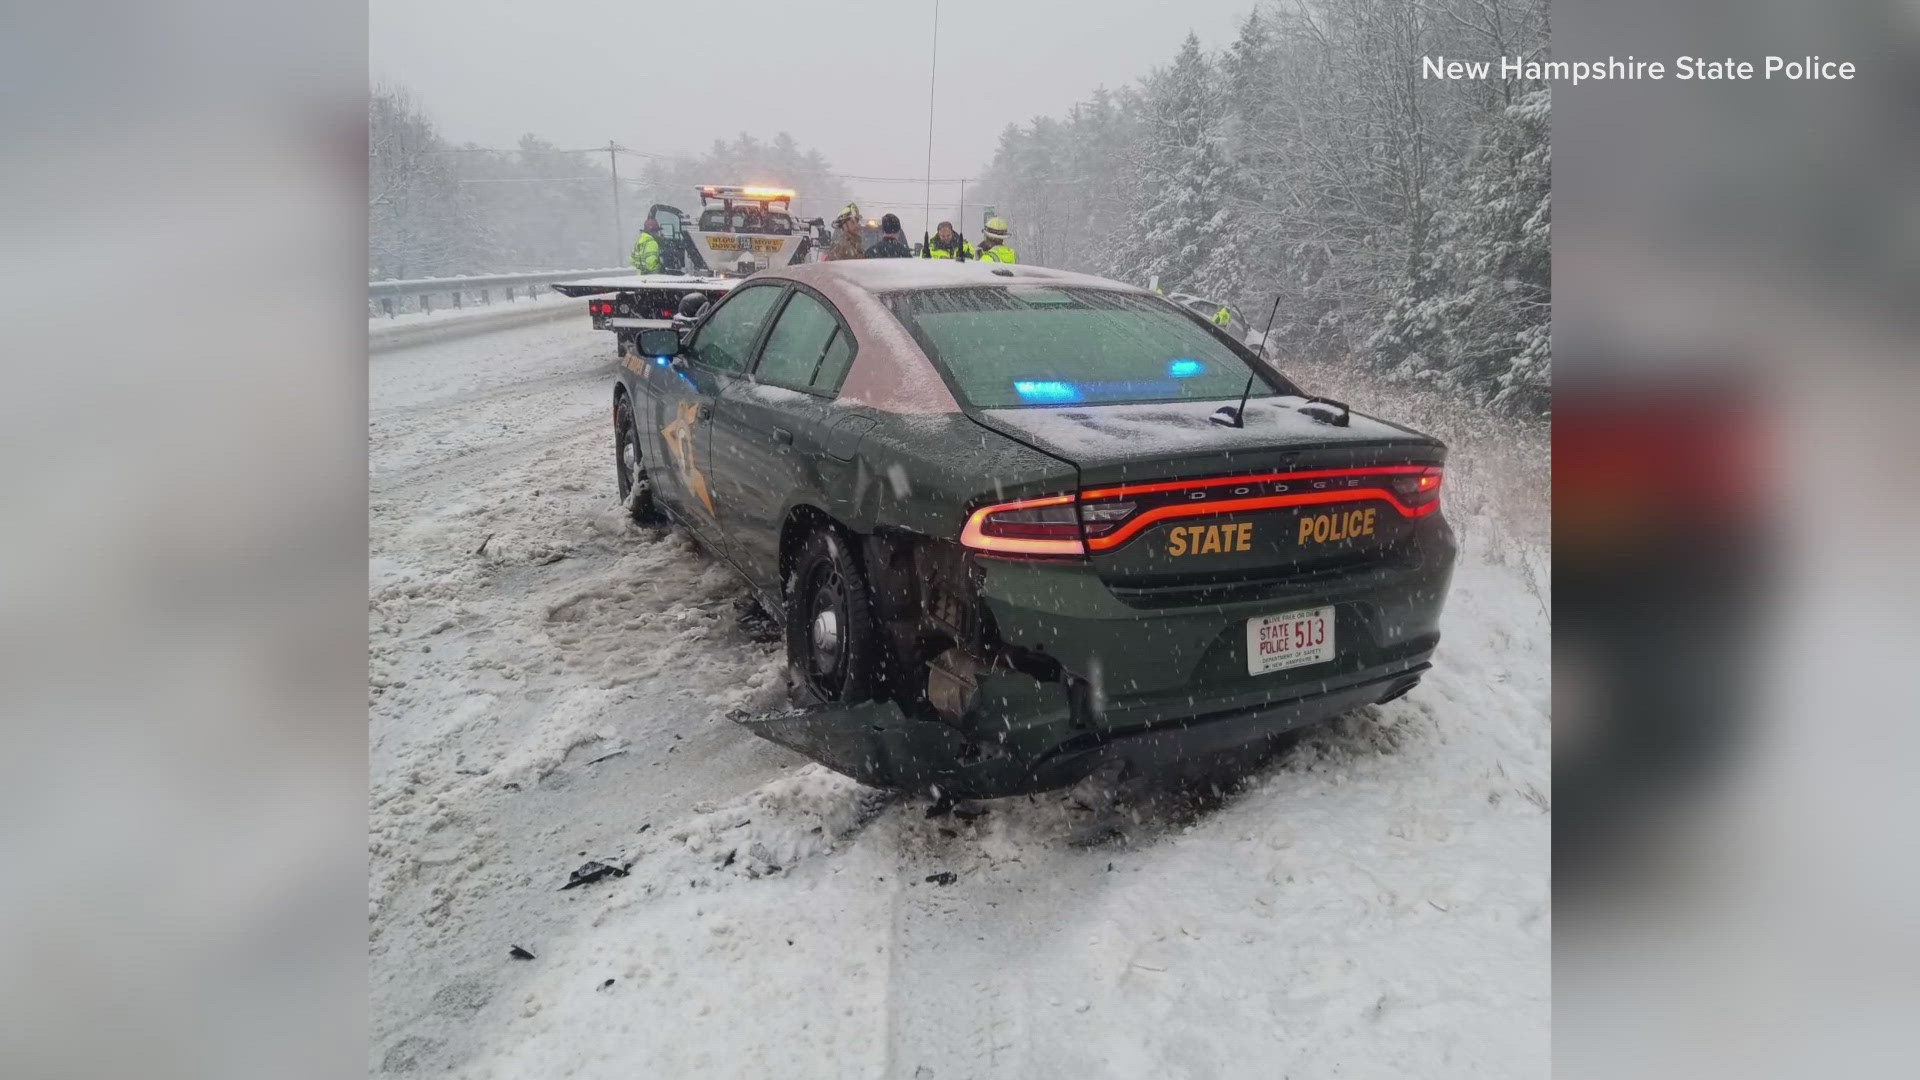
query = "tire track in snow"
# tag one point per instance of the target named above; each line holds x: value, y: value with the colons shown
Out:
x: 599, y: 375
x: 493, y: 453
x: 496, y: 678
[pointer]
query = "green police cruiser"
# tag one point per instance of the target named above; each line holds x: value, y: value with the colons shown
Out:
x: 1019, y: 523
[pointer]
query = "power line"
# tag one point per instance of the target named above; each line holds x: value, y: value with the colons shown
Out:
x: 905, y: 179
x: 836, y: 175
x: 530, y: 180
x: 691, y: 159
x: 502, y: 150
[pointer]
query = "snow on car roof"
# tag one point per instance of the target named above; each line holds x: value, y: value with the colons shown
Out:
x: 889, y: 370
x: 889, y: 275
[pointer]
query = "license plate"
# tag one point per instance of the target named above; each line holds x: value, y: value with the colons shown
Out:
x: 1295, y: 639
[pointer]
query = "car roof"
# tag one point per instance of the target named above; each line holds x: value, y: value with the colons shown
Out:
x: 890, y: 275
x: 890, y: 372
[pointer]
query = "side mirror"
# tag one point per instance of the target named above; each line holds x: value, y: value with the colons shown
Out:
x: 660, y: 342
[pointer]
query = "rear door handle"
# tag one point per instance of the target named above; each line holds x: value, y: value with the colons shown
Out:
x: 783, y: 436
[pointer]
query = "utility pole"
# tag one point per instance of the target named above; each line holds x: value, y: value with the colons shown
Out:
x: 963, y: 202
x: 619, y: 228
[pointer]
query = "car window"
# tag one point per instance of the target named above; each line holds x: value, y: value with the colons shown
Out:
x: 833, y: 366
x: 727, y: 336
x: 1053, y: 345
x: 797, y: 342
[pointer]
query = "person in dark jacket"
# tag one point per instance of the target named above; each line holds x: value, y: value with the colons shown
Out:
x: 890, y: 245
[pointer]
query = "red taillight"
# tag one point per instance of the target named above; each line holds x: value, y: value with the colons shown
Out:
x: 666, y: 313
x: 1048, y: 526
x: 1102, y: 519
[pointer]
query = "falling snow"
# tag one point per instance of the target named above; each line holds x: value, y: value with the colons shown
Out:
x: 551, y: 684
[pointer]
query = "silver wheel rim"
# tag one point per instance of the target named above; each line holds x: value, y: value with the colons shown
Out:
x: 826, y: 637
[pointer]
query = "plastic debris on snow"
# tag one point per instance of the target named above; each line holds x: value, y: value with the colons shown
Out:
x: 593, y: 871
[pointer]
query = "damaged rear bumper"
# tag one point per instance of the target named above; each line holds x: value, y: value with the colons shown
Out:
x: 1027, y: 736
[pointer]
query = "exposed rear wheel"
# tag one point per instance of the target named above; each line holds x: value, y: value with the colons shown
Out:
x: 831, y: 645
x: 636, y: 494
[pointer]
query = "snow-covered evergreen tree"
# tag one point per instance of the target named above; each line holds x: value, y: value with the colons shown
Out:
x: 1477, y: 312
x: 1401, y: 222
x: 1186, y: 223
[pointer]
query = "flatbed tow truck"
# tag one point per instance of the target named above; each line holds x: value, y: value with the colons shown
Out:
x: 740, y: 229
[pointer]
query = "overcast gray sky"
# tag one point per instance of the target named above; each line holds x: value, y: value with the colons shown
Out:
x: 846, y: 76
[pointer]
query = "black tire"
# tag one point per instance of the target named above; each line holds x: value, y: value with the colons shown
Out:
x: 832, y: 647
x: 628, y: 472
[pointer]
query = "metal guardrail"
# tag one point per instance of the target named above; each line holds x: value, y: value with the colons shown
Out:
x: 422, y: 290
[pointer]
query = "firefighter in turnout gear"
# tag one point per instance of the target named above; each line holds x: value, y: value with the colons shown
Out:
x: 993, y: 245
x: 646, y: 249
x: 846, y: 235
x: 1222, y: 318
x: 947, y: 244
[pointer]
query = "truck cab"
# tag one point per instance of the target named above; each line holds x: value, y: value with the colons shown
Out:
x: 742, y: 229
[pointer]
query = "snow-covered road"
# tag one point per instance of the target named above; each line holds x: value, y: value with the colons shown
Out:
x: 550, y: 685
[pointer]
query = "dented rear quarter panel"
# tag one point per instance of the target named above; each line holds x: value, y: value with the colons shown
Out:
x: 924, y: 474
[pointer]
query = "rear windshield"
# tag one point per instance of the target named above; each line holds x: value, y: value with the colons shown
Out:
x: 1052, y: 345
x: 747, y: 219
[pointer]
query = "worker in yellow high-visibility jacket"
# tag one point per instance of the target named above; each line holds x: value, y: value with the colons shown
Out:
x: 947, y: 244
x: 646, y: 250
x: 993, y: 246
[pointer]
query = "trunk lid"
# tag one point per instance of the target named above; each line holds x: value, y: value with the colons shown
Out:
x: 1118, y: 444
x: 1175, y: 506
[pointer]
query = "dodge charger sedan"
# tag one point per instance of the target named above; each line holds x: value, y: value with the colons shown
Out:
x: 1020, y: 523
